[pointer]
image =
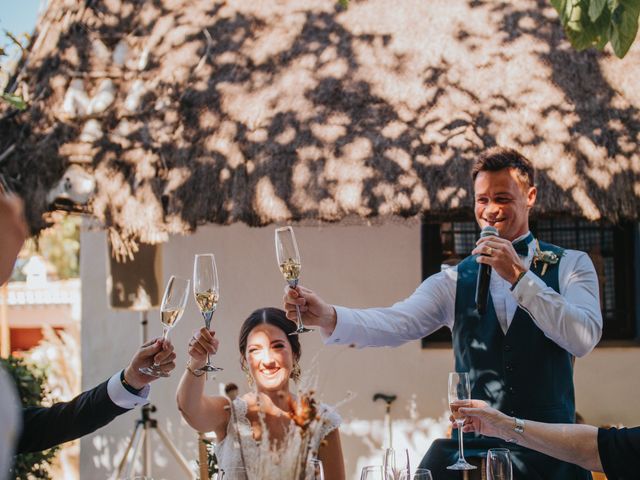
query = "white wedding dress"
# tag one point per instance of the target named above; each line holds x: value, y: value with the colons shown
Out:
x: 245, y: 451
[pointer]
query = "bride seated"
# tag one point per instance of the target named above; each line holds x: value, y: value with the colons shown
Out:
x: 269, y: 357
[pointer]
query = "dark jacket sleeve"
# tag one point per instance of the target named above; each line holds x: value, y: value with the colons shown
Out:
x: 44, y: 428
x: 619, y: 451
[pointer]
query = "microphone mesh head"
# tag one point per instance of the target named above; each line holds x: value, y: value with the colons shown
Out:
x: 489, y: 231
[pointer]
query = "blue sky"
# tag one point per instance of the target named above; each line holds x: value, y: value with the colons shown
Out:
x: 18, y: 17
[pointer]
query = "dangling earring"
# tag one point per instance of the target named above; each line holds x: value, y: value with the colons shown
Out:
x: 296, y: 372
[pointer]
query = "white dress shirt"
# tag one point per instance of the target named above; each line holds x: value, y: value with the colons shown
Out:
x: 122, y: 397
x: 571, y: 318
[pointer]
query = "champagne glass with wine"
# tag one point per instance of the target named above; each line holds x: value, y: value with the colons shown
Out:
x: 207, y: 292
x: 459, y: 396
x: 174, y: 301
x: 289, y: 262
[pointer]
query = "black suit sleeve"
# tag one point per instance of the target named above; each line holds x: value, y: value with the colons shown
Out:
x: 619, y: 451
x: 44, y: 428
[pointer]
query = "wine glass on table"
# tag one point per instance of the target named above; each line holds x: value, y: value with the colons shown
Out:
x: 419, y: 474
x: 174, y: 301
x: 459, y: 396
x: 207, y: 292
x: 289, y: 262
x: 372, y: 472
x: 499, y: 464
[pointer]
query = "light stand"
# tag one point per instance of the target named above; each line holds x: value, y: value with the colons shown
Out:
x: 140, y: 439
x: 388, y: 400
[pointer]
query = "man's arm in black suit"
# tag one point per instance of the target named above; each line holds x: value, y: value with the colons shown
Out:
x: 44, y: 428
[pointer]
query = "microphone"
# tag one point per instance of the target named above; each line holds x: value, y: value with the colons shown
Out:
x: 484, y: 275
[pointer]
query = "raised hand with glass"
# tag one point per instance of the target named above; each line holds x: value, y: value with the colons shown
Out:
x: 459, y: 396
x: 174, y: 301
x: 207, y: 292
x: 289, y: 262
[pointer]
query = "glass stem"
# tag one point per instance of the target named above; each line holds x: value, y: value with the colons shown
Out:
x: 461, y: 449
x: 299, y: 315
x: 165, y: 333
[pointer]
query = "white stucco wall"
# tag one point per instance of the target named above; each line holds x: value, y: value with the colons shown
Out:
x: 348, y: 265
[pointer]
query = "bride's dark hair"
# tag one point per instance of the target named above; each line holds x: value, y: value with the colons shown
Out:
x: 272, y: 316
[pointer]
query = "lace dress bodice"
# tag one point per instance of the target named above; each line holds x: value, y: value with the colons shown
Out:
x: 234, y: 452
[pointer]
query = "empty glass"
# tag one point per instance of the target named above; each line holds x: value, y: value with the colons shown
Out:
x: 499, y: 464
x: 372, y: 472
x: 419, y: 474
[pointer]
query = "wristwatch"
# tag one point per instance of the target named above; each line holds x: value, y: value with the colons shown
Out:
x: 518, y: 425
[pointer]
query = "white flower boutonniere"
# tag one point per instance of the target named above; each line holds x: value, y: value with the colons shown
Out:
x: 547, y: 257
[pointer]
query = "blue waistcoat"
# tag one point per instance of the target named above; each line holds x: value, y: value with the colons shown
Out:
x: 522, y: 373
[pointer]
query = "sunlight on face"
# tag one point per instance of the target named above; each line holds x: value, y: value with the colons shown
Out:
x: 269, y: 357
x: 503, y: 202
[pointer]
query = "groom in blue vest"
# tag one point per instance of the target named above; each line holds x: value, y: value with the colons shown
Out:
x: 543, y: 310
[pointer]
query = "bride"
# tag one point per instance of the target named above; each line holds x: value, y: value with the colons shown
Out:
x: 269, y: 357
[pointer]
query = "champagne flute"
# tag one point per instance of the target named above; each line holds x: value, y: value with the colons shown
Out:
x: 174, y: 301
x: 289, y: 262
x: 499, y: 464
x: 459, y: 396
x: 207, y: 292
x: 390, y: 466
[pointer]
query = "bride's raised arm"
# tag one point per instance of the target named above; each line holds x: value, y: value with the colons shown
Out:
x: 202, y: 412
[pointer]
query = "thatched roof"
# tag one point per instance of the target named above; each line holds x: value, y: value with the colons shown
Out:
x: 282, y: 110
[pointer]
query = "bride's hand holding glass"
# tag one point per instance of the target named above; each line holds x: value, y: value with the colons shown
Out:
x: 202, y: 343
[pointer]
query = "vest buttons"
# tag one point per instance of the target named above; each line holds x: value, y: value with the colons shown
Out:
x: 509, y: 367
x: 512, y: 390
x: 507, y: 348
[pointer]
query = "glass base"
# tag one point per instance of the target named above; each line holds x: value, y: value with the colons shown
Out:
x: 153, y: 372
x: 301, y: 330
x: 210, y: 368
x: 461, y: 465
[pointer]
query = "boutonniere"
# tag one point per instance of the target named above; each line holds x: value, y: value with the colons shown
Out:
x: 547, y: 257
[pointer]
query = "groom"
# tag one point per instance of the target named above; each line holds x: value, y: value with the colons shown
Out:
x: 541, y: 313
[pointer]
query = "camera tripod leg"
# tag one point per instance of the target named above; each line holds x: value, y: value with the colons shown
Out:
x: 176, y: 454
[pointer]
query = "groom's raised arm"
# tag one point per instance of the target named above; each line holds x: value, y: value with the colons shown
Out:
x: 426, y: 310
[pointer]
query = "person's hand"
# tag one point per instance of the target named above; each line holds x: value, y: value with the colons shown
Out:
x: 481, y: 418
x: 314, y: 310
x: 203, y: 341
x: 14, y: 232
x: 155, y: 352
x: 501, y: 256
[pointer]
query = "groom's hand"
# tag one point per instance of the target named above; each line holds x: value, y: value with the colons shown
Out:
x: 314, y: 310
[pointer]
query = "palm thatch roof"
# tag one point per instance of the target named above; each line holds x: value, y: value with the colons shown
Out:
x: 190, y: 111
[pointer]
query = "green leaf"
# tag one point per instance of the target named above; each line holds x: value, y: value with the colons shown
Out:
x: 595, y: 9
x: 624, y: 26
x: 15, y: 101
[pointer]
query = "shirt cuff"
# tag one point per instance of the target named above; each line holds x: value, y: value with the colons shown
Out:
x: 529, y: 286
x: 344, y: 327
x: 124, y: 399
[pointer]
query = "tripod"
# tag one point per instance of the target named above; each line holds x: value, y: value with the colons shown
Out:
x: 140, y: 439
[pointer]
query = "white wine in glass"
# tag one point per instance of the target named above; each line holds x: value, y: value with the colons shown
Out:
x: 174, y: 302
x: 289, y: 262
x: 459, y: 396
x: 206, y: 289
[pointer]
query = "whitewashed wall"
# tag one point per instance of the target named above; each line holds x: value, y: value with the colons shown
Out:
x: 349, y: 265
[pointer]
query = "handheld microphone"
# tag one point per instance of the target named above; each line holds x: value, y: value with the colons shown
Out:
x: 484, y: 275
